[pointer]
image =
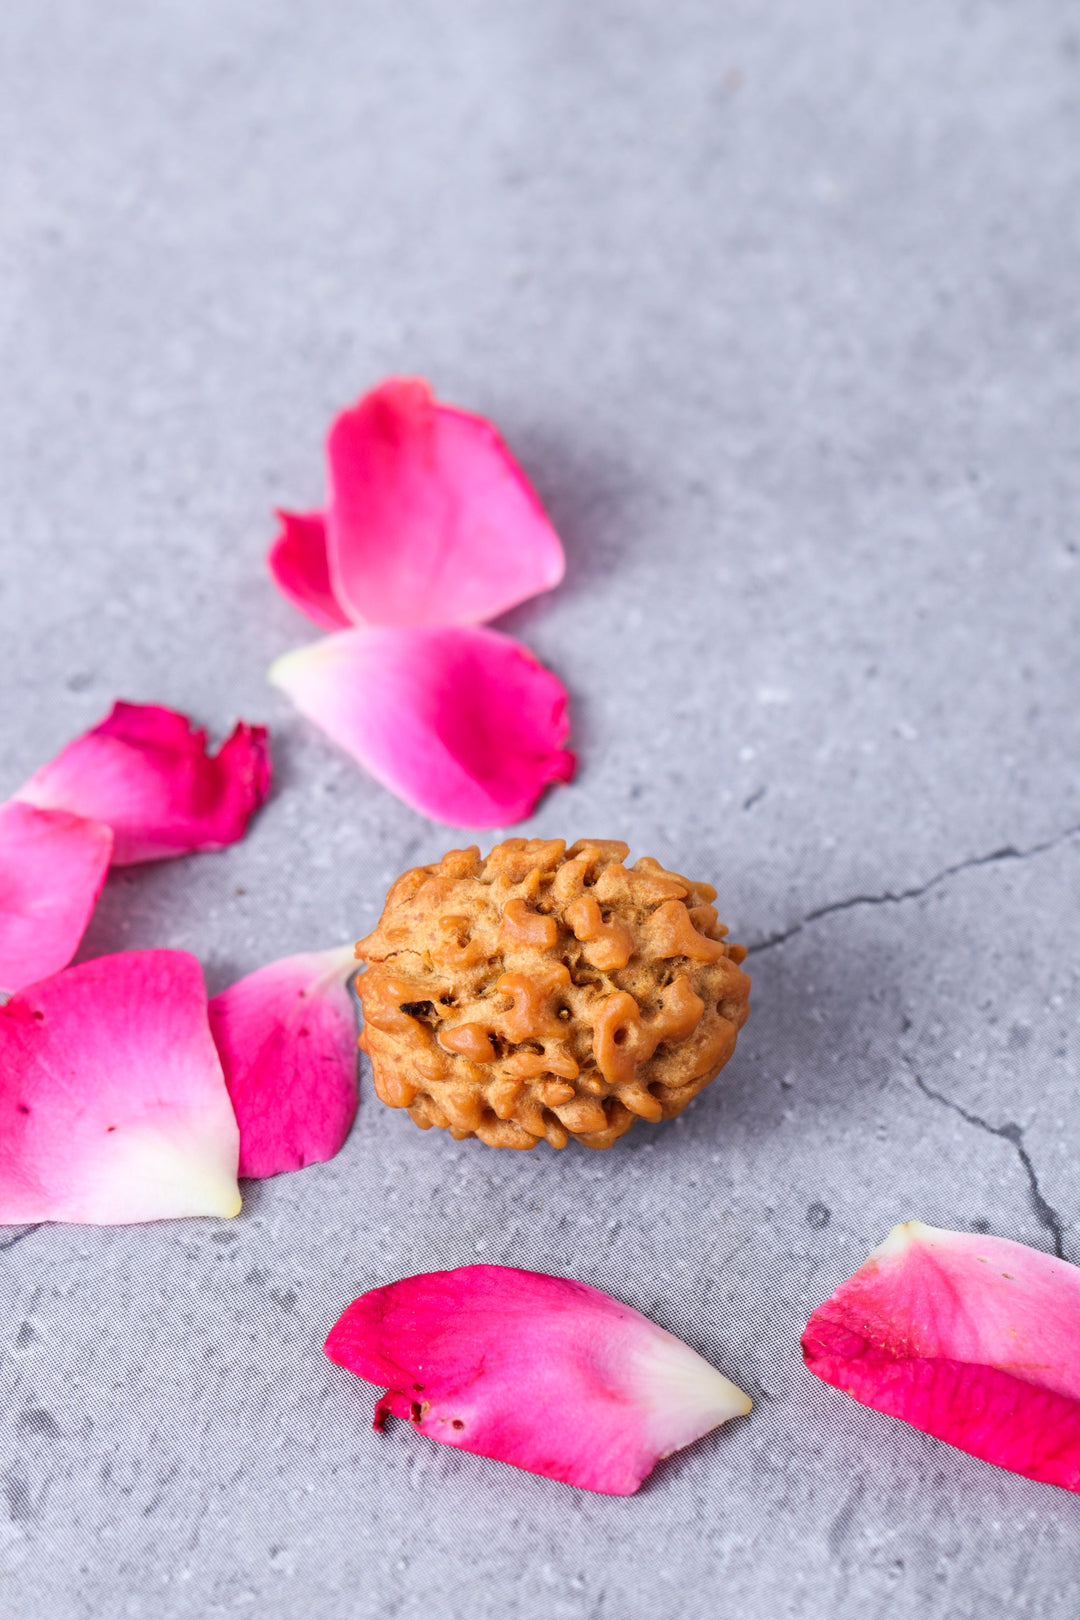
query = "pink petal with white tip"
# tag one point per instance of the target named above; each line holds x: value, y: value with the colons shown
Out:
x: 113, y: 1106
x: 145, y: 772
x: 430, y: 520
x: 463, y: 724
x: 52, y: 867
x: 973, y: 1339
x: 538, y: 1371
x: 286, y: 1035
x: 298, y: 563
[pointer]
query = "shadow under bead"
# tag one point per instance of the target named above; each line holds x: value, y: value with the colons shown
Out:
x: 546, y: 993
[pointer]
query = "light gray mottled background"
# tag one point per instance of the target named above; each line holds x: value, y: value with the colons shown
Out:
x: 778, y: 306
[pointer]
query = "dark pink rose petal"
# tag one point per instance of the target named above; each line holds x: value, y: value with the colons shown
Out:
x: 973, y: 1339
x: 286, y: 1036
x: 461, y: 723
x: 298, y: 563
x: 146, y: 773
x: 541, y: 1372
x: 52, y: 867
x: 113, y: 1106
x: 431, y: 520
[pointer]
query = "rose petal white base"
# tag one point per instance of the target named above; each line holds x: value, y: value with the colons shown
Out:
x: 684, y: 1394
x: 162, y: 1177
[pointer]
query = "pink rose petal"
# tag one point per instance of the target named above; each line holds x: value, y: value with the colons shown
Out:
x: 431, y: 520
x: 146, y: 773
x: 52, y: 867
x: 286, y: 1035
x: 300, y: 569
x: 113, y: 1107
x: 973, y: 1339
x: 541, y: 1372
x: 461, y: 723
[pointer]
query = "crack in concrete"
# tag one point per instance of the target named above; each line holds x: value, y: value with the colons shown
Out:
x: 1045, y: 1213
x: 1008, y: 852
x: 26, y: 1232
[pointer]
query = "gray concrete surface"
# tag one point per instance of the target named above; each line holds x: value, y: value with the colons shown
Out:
x: 778, y: 305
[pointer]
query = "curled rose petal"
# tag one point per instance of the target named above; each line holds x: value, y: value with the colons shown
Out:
x: 969, y: 1338
x: 286, y: 1035
x: 431, y: 520
x: 538, y: 1371
x: 463, y: 724
x: 298, y: 563
x: 146, y: 773
x: 113, y: 1107
x: 52, y: 867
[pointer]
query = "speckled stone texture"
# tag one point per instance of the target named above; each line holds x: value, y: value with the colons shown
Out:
x: 777, y: 306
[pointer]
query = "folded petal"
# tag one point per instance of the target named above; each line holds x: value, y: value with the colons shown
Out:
x: 431, y: 520
x: 538, y: 1371
x: 113, y: 1106
x: 463, y: 724
x: 300, y: 569
x: 286, y: 1035
x: 146, y: 773
x: 52, y: 867
x: 970, y: 1338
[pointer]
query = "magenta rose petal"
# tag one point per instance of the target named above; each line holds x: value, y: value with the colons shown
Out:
x: 146, y: 773
x: 972, y: 1339
x: 52, y: 867
x: 286, y: 1035
x: 542, y: 1372
x: 462, y: 723
x: 430, y: 519
x: 113, y: 1106
x: 298, y: 563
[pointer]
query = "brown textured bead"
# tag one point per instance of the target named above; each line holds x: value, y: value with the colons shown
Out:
x: 545, y: 993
